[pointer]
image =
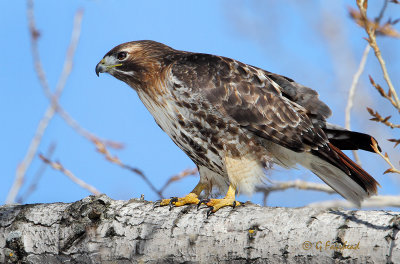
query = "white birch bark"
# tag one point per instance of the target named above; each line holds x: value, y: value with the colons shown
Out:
x: 101, y: 230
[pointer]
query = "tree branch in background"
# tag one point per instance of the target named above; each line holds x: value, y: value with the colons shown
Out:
x: 38, y: 175
x: 297, y: 184
x: 392, y: 168
x: 352, y: 91
x: 384, y: 120
x: 58, y: 166
x: 371, y: 28
x: 48, y: 115
x: 101, y: 148
x: 67, y: 68
x: 384, y: 30
x: 178, y: 177
x: 386, y: 95
x: 84, y: 132
x: 373, y: 202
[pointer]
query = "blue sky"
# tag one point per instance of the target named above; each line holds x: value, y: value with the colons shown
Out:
x: 313, y: 42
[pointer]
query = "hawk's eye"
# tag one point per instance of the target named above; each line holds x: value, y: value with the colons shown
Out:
x: 121, y: 55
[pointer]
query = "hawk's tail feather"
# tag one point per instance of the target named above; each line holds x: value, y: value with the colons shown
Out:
x: 348, y: 179
x: 358, y: 174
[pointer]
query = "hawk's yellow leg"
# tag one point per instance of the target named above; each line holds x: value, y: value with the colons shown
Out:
x: 191, y: 198
x: 228, y: 200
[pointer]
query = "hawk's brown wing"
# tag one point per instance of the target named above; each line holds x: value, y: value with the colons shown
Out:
x: 252, y: 99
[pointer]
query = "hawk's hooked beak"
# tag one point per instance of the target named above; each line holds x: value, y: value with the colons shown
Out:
x: 103, y: 66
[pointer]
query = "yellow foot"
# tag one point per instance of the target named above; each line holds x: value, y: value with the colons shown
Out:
x: 191, y: 198
x: 215, y: 204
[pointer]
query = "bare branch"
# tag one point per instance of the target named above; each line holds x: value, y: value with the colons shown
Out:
x: 378, y: 118
x: 179, y: 176
x: 48, y: 115
x: 386, y: 29
x: 58, y: 166
x: 352, y: 91
x: 297, y: 184
x: 353, y: 86
x: 371, y: 30
x: 101, y: 148
x: 385, y: 157
x: 374, y: 201
x: 84, y: 132
x: 36, y: 178
x: 395, y: 141
x: 387, y: 95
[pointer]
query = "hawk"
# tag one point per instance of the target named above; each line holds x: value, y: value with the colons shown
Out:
x: 235, y: 120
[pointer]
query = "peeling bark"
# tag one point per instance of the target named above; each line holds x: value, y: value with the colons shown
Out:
x: 102, y: 230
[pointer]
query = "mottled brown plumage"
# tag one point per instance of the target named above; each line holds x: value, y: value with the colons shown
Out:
x: 234, y: 119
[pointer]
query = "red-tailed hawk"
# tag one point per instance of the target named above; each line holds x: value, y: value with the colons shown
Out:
x: 234, y: 120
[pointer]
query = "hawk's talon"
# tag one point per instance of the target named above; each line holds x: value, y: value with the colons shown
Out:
x: 210, y: 211
x: 204, y: 201
x: 173, y: 200
x: 157, y: 203
x: 228, y: 200
x: 191, y: 198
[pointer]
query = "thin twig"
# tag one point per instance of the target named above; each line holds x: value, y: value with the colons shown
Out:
x: 374, y: 201
x: 385, y: 157
x: 179, y: 176
x: 385, y: 29
x: 84, y: 132
x: 378, y: 118
x: 356, y: 77
x: 352, y: 91
x: 382, y: 12
x: 370, y: 30
x: 50, y: 111
x: 384, y: 94
x: 101, y: 148
x: 23, y: 197
x: 58, y: 166
x: 297, y: 184
x: 353, y: 86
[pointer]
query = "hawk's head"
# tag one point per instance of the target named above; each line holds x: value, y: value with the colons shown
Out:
x: 134, y: 62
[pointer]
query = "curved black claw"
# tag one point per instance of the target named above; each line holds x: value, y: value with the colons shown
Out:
x: 204, y: 201
x: 157, y: 204
x: 172, y: 201
x: 210, y: 211
x: 234, y: 204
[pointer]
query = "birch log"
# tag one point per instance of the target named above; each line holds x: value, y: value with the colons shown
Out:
x: 102, y: 230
